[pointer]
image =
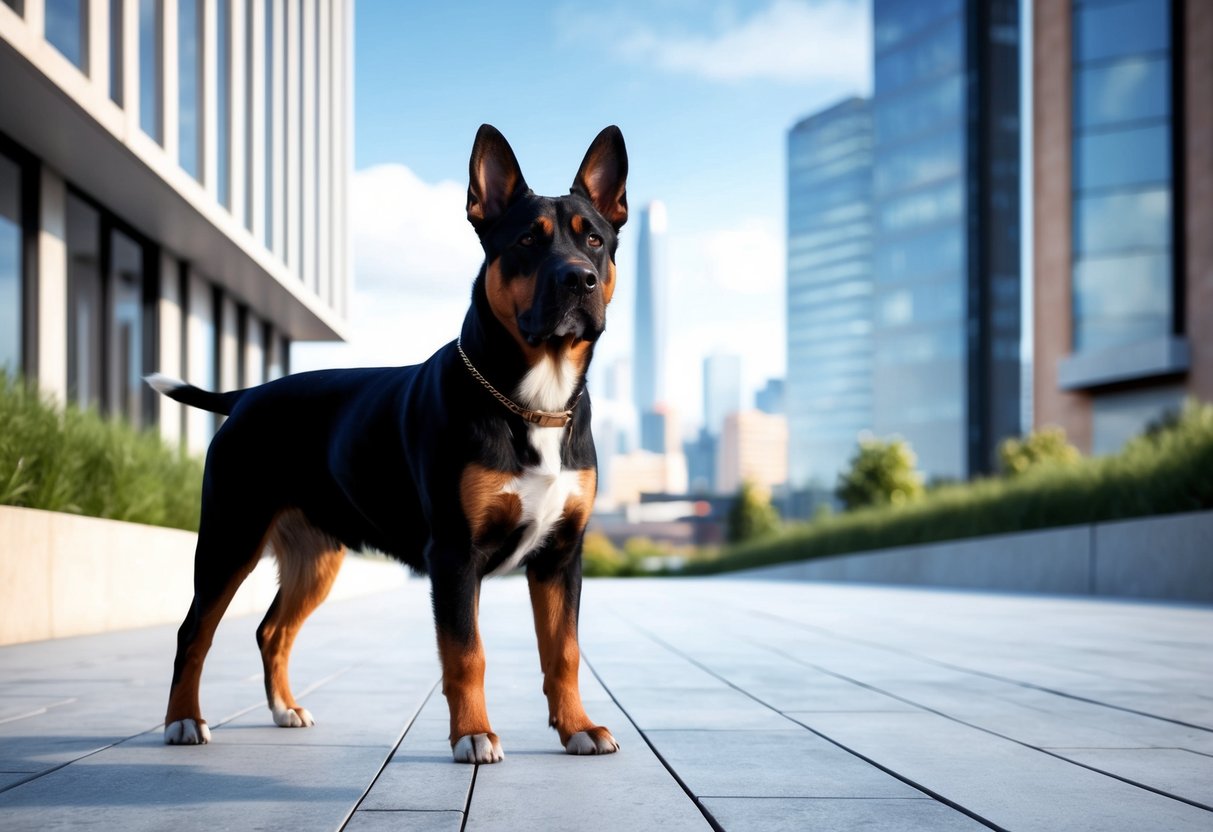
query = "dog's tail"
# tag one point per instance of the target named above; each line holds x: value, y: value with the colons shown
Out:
x: 179, y: 391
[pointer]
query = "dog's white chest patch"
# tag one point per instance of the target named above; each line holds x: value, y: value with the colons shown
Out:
x: 543, y: 489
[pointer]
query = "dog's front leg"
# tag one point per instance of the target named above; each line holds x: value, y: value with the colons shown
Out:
x: 456, y: 599
x: 555, y: 600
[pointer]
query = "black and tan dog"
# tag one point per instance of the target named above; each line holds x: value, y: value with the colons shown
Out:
x: 468, y: 465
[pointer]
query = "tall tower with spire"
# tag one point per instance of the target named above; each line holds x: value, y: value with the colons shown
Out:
x: 648, y: 363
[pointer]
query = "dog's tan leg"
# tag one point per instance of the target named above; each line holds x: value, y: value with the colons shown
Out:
x: 555, y: 612
x: 221, y: 563
x: 308, y: 563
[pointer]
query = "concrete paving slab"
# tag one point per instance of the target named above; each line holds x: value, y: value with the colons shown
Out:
x: 405, y: 821
x: 798, y: 814
x: 1175, y: 771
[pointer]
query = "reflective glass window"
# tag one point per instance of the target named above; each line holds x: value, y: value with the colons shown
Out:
x: 85, y: 305
x: 116, y: 51
x: 1116, y: 221
x: 1138, y: 156
x: 1121, y: 299
x: 66, y: 29
x: 267, y: 230
x: 1115, y: 29
x: 929, y: 253
x: 1131, y: 89
x: 936, y: 54
x: 924, y: 207
x: 189, y: 80
x: 897, y: 20
x: 151, y: 75
x: 926, y: 160
x: 126, y: 365
x: 11, y: 294
x: 920, y: 110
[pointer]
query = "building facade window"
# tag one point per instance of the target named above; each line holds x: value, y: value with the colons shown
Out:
x: 223, y: 101
x: 67, y: 29
x: 110, y: 315
x: 1122, y: 277
x: 189, y: 80
x: 267, y: 231
x: 11, y: 266
x: 151, y: 75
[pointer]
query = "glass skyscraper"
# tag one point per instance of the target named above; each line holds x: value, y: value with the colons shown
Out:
x: 829, y: 301
x: 946, y: 294
x: 648, y: 366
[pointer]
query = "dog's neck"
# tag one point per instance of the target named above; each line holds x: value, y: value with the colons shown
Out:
x: 549, y: 383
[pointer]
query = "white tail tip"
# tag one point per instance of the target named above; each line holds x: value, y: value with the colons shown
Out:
x: 163, y: 384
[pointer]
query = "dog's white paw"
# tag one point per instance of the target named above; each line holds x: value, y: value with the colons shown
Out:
x: 293, y: 717
x: 594, y: 741
x: 187, y: 732
x: 478, y: 748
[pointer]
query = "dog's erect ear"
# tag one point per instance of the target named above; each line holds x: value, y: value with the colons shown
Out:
x: 603, y: 176
x: 494, y: 178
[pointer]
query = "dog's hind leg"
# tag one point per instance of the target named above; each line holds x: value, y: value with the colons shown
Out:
x: 308, y: 562
x: 227, y: 552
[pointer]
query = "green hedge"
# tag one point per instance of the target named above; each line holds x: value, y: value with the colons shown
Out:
x: 76, y: 461
x: 1169, y: 471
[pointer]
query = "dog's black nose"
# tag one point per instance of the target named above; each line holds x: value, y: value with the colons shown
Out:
x: 580, y: 280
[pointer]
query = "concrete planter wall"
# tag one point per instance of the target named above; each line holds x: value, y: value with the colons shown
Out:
x: 1168, y: 557
x: 66, y: 575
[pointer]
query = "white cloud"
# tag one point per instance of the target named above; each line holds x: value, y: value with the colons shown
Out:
x: 787, y: 41
x: 415, y: 258
x: 746, y: 259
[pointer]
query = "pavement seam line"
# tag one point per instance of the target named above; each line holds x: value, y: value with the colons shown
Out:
x: 929, y: 792
x: 996, y: 677
x: 707, y: 815
x: 467, y: 804
x: 391, y: 753
x: 989, y: 731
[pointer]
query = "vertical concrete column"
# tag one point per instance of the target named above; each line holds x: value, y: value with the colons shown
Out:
x: 35, y: 17
x: 52, y: 284
x: 237, y: 121
x: 307, y: 185
x: 323, y: 213
x: 1198, y: 213
x: 294, y: 123
x: 278, y: 160
x: 199, y: 360
x: 98, y: 30
x: 347, y: 150
x: 170, y: 89
x: 254, y: 165
x: 208, y: 80
x: 130, y: 64
x: 170, y: 322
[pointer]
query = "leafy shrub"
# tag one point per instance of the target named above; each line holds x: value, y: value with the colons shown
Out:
x: 78, y: 462
x: 881, y: 473
x: 1047, y: 446
x: 751, y: 516
x: 1169, y: 470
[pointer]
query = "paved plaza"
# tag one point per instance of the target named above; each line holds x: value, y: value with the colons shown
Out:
x: 739, y: 704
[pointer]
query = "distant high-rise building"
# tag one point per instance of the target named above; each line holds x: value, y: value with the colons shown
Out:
x: 701, y: 462
x: 721, y: 389
x: 753, y: 447
x: 829, y: 300
x: 1123, y: 198
x: 946, y: 284
x: 770, y: 399
x: 648, y: 358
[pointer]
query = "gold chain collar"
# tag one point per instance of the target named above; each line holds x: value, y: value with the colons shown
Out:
x: 542, y: 418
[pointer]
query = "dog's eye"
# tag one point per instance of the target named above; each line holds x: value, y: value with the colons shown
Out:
x: 526, y: 240
x: 595, y: 241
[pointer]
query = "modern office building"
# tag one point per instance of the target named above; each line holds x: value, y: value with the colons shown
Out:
x: 829, y: 290
x: 648, y: 355
x: 173, y: 184
x: 721, y: 389
x: 1123, y: 188
x: 945, y: 116
x: 753, y: 448
x: 770, y: 399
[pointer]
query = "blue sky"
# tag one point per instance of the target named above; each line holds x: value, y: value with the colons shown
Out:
x: 704, y: 92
